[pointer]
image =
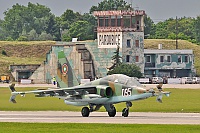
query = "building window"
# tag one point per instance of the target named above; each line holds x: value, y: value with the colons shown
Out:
x: 137, y: 44
x: 127, y: 20
x: 106, y: 21
x: 138, y: 25
x: 118, y: 21
x: 148, y: 59
x: 136, y: 58
x: 113, y: 22
x: 127, y: 58
x: 186, y: 58
x: 161, y: 58
x: 168, y: 58
x: 101, y: 21
x: 179, y: 59
x: 128, y: 43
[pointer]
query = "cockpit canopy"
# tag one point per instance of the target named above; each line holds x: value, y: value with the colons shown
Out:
x: 123, y: 79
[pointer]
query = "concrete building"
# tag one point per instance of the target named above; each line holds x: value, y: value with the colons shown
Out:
x: 124, y: 29
x: 168, y: 63
x: 23, y: 71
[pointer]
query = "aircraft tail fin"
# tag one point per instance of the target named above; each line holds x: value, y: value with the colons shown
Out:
x: 65, y: 75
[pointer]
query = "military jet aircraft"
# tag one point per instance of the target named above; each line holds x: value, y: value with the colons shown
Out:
x: 105, y: 91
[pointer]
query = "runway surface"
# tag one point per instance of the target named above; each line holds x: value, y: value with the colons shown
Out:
x: 99, y: 117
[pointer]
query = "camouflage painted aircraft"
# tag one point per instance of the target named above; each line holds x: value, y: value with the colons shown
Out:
x: 105, y: 91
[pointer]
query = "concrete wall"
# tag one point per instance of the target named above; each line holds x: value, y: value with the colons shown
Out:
x: 133, y: 51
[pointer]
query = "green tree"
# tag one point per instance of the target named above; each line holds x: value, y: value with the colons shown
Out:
x: 65, y: 35
x: 67, y: 18
x: 116, y: 59
x: 92, y: 22
x: 45, y: 37
x: 3, y: 33
x: 106, y: 5
x: 22, y: 38
x: 197, y: 29
x: 149, y: 28
x: 32, y: 35
x: 22, y: 19
x: 131, y: 70
x: 80, y: 30
x: 52, y: 27
x: 167, y: 29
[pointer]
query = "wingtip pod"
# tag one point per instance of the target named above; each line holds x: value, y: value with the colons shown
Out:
x: 12, y: 99
x: 167, y: 94
x: 160, y: 95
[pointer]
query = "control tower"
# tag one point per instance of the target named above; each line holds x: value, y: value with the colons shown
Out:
x: 124, y: 29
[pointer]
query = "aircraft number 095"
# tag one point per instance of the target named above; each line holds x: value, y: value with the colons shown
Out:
x: 126, y: 92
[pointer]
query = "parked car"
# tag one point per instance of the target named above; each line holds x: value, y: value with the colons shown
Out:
x: 157, y: 80
x: 196, y: 80
x: 187, y: 80
x: 5, y: 79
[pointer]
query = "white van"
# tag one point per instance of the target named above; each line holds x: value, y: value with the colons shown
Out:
x: 157, y: 80
x: 196, y: 80
x: 186, y: 80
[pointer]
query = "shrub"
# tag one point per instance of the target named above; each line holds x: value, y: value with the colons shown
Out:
x: 3, y: 52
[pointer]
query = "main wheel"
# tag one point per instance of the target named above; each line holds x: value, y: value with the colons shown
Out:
x: 85, y: 111
x: 125, y: 112
x: 112, y: 113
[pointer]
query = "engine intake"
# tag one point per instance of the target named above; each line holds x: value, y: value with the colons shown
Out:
x: 104, y: 91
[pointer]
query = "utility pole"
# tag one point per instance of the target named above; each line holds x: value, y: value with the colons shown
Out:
x: 176, y: 33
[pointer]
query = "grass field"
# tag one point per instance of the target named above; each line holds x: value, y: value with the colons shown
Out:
x: 95, y: 128
x: 180, y: 100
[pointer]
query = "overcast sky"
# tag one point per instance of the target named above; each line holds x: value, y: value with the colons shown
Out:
x: 158, y: 10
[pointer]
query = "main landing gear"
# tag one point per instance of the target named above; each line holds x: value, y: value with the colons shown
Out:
x: 109, y: 108
x: 112, y: 113
x: 86, y: 111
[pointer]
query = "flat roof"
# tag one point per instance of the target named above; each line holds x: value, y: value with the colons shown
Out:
x: 119, y: 12
x: 167, y: 51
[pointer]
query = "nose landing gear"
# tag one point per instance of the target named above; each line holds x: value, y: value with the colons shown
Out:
x: 125, y: 111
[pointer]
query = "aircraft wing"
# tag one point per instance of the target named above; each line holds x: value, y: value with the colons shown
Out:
x: 92, y: 91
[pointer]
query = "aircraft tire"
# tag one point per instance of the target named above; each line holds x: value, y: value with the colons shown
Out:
x: 112, y: 113
x: 125, y: 112
x: 85, y: 111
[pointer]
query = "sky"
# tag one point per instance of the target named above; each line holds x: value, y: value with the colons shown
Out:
x: 157, y: 10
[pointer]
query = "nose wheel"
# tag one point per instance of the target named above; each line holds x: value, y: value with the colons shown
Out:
x: 125, y: 111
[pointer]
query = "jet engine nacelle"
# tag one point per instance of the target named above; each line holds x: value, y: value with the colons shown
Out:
x: 104, y: 91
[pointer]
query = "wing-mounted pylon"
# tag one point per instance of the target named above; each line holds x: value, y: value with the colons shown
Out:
x: 77, y: 92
